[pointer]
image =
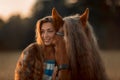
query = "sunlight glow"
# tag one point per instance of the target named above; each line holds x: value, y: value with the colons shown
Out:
x: 11, y: 7
x: 72, y: 1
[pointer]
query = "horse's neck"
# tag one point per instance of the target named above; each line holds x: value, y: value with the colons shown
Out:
x: 61, y: 55
x: 49, y: 53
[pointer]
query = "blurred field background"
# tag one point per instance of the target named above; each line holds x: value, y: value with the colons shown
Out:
x: 17, y: 29
x: 111, y: 60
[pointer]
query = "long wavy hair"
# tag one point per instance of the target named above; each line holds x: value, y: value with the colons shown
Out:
x: 40, y: 45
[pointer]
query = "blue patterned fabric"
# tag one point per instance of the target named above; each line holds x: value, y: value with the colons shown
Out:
x: 48, y: 69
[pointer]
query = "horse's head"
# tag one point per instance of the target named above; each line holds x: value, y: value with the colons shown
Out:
x: 60, y: 23
x: 77, y: 47
x: 66, y: 39
x: 64, y: 25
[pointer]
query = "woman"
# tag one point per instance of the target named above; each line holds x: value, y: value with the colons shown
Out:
x: 37, y: 61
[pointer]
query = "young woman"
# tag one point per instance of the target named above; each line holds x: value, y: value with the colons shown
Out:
x: 37, y: 61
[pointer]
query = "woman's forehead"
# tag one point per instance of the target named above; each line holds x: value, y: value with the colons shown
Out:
x: 47, y: 25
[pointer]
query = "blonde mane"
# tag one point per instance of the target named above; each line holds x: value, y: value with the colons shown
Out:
x: 82, y: 50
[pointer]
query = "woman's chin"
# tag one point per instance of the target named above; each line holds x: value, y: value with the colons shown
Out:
x: 48, y: 44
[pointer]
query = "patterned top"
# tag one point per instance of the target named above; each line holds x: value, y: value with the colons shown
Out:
x: 48, y: 69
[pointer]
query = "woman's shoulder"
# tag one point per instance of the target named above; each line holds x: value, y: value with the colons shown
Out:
x: 29, y: 54
x: 30, y: 50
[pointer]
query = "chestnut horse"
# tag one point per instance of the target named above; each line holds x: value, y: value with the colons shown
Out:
x: 77, y: 52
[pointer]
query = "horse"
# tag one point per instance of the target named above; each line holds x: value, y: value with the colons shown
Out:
x: 76, y: 48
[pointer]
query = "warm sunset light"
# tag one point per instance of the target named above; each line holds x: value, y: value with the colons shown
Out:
x: 10, y: 7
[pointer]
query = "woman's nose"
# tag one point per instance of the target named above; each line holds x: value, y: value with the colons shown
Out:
x: 46, y: 34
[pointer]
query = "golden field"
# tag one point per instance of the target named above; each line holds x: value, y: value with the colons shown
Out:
x: 8, y: 61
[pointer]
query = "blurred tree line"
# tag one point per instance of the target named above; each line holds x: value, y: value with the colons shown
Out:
x: 17, y: 33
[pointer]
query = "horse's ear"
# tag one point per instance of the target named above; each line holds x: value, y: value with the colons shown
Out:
x: 58, y: 21
x: 84, y: 17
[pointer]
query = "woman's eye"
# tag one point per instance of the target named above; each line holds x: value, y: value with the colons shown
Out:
x: 50, y: 31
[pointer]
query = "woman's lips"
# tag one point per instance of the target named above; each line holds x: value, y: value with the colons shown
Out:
x: 46, y: 40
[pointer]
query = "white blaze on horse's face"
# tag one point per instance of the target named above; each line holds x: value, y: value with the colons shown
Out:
x: 47, y: 33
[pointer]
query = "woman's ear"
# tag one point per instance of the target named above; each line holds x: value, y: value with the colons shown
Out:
x: 58, y: 21
x: 84, y: 17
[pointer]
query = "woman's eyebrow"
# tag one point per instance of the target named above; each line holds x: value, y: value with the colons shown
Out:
x: 50, y: 29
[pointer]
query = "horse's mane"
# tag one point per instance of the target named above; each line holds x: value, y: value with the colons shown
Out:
x: 82, y: 50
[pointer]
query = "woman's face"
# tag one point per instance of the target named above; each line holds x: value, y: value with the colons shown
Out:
x: 47, y: 33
